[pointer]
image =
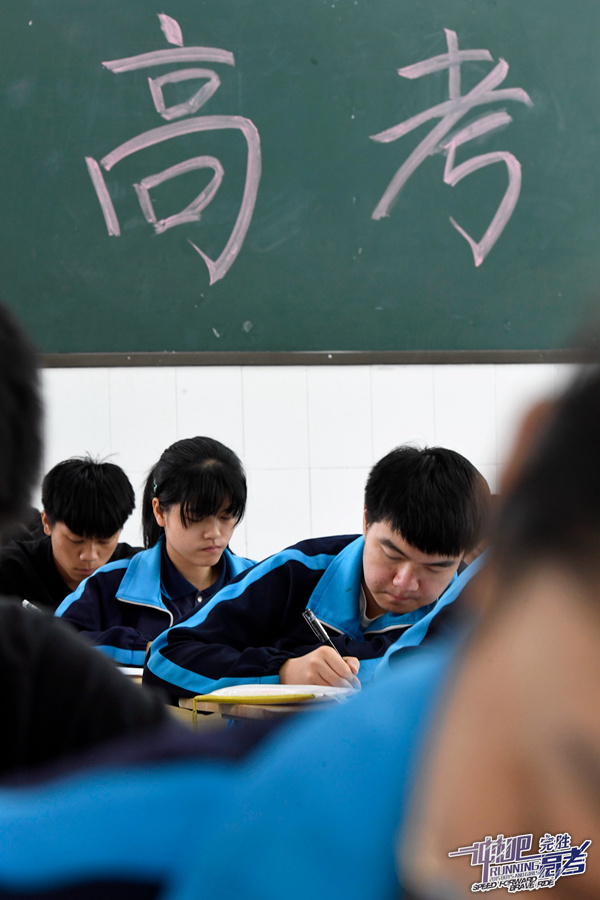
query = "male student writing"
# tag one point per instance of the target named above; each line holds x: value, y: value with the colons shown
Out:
x: 424, y: 510
x: 85, y: 505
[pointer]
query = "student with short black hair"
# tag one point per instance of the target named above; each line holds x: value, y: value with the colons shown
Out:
x: 193, y: 499
x: 92, y: 498
x: 85, y: 503
x: 424, y: 509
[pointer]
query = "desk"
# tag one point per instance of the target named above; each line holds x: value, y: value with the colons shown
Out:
x: 252, y: 710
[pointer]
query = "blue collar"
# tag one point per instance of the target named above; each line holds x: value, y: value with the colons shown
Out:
x: 336, y: 598
x: 151, y: 573
x: 141, y: 582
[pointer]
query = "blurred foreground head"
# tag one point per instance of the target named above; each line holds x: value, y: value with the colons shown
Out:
x: 20, y: 419
x: 551, y: 513
x: 516, y: 750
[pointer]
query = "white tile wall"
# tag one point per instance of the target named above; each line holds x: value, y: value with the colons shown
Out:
x: 339, y: 417
x: 465, y: 411
x: 307, y: 436
x: 143, y: 412
x: 336, y: 497
x: 402, y: 404
x: 203, y: 394
x: 278, y: 512
x: 275, y: 427
x: 77, y: 413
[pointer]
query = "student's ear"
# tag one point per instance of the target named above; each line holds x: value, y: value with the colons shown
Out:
x: 46, y: 522
x: 365, y: 526
x: 158, y: 513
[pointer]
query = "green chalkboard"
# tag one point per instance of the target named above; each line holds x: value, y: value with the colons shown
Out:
x: 351, y: 175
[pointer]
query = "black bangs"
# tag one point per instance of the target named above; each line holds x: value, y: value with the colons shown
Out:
x: 214, y: 488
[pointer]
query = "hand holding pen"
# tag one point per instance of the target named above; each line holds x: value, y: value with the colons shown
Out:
x: 325, y: 665
x: 318, y: 630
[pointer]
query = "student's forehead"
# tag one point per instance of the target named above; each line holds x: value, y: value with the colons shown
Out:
x: 387, y: 534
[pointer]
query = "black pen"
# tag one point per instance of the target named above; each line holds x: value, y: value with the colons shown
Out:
x: 319, y: 631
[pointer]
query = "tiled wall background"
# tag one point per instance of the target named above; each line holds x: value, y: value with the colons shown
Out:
x: 307, y: 435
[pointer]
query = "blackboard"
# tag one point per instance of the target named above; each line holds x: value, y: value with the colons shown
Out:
x: 147, y: 151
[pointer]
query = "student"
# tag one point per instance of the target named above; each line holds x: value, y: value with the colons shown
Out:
x: 423, y: 511
x: 85, y: 505
x: 194, y: 498
x: 497, y: 735
x: 58, y: 697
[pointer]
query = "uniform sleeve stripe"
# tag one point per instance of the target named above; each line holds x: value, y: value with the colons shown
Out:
x: 71, y: 598
x: 230, y: 591
x: 124, y: 657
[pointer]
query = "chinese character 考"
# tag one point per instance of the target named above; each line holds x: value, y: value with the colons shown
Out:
x: 444, y: 139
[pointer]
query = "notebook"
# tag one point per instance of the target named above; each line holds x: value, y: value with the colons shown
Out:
x: 275, y: 693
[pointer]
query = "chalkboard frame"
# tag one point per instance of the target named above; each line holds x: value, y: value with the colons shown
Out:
x: 319, y: 358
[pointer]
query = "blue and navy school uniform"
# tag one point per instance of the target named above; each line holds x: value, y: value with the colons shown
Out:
x: 318, y: 810
x: 129, y: 602
x: 250, y: 628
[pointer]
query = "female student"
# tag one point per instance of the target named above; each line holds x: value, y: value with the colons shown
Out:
x: 194, y: 498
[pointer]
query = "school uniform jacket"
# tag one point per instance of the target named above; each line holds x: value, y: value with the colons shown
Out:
x: 319, y: 810
x: 250, y: 628
x: 127, y: 603
x: 28, y: 571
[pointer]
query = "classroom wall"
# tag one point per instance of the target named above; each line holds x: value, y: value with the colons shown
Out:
x: 307, y: 435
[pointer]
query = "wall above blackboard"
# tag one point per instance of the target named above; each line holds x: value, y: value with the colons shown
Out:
x: 274, y: 176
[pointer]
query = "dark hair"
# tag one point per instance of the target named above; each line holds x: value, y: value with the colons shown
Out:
x: 552, y: 511
x: 201, y: 475
x: 434, y: 497
x: 92, y: 498
x: 20, y: 419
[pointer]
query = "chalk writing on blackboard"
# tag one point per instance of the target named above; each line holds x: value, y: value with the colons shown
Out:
x: 442, y: 138
x: 192, y: 212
